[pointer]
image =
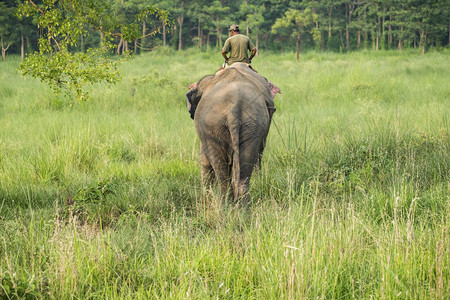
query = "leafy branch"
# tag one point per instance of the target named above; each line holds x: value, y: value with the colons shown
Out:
x: 61, y: 23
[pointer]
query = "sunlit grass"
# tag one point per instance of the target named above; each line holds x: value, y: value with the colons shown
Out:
x: 102, y: 199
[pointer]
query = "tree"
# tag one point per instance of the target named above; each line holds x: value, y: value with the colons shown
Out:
x: 62, y: 22
x: 216, y: 10
x: 367, y: 15
x: 254, y: 18
x: 297, y: 22
x: 8, y: 28
x: 428, y: 17
x: 350, y: 6
x: 200, y: 17
x: 338, y: 24
x: 319, y: 17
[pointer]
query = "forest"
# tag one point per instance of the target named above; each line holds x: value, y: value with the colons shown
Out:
x: 278, y: 25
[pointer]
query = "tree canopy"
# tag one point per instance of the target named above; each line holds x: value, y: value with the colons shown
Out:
x: 70, y: 42
x: 338, y: 25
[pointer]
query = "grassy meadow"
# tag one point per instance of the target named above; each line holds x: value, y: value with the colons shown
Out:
x: 103, y: 200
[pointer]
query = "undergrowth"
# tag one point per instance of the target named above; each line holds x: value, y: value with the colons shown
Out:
x: 102, y: 199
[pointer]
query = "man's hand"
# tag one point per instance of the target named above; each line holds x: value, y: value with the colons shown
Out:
x: 251, y: 56
x: 224, y: 54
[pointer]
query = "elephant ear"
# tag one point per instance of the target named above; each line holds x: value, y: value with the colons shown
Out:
x: 192, y: 99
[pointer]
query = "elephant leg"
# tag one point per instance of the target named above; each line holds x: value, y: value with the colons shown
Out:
x: 222, y: 170
x: 215, y: 167
x: 243, y: 188
x: 249, y: 158
x: 207, y: 171
x: 260, y: 154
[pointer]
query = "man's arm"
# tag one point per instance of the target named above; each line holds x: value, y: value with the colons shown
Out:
x: 253, y: 55
x: 224, y: 54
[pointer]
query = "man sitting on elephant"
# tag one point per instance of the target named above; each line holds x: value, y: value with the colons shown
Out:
x: 238, y: 46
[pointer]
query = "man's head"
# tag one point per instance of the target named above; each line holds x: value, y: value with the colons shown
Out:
x: 234, y: 29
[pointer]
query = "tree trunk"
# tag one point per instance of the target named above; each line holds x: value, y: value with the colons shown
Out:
x: 82, y: 43
x: 359, y: 39
x: 322, y: 41
x: 3, y: 48
x: 383, y: 32
x: 144, y: 31
x: 180, y: 20
x: 373, y: 38
x: 297, y: 45
x: 219, y: 35
x: 164, y: 32
x: 266, y: 37
x: 102, y: 36
x: 135, y: 46
x: 422, y: 41
x: 119, y: 47
x: 22, y: 46
x: 347, y: 39
x: 199, y: 34
x: 390, y: 39
x: 380, y: 29
x: 330, y: 10
x: 40, y: 35
x: 49, y: 42
x: 180, y: 33
x: 3, y: 52
x: 349, y: 13
x: 366, y: 37
x: 346, y: 28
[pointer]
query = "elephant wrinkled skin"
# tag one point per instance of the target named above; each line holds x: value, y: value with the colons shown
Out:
x: 232, y: 111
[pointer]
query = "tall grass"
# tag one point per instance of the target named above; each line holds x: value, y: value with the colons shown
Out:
x: 102, y: 199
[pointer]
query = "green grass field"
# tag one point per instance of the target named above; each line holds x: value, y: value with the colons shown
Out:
x: 103, y: 199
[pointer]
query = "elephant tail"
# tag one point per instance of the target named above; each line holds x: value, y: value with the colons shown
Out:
x: 236, y: 165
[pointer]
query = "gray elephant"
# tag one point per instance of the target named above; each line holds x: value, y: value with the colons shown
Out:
x: 232, y: 112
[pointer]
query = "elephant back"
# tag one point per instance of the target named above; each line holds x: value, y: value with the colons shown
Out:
x: 259, y: 81
x: 238, y: 77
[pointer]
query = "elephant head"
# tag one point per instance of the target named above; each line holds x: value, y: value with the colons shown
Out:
x: 195, y: 93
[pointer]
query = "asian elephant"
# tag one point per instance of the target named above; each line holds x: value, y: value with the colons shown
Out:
x: 232, y: 112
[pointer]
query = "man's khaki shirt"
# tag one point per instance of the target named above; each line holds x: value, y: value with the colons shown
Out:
x: 238, y: 46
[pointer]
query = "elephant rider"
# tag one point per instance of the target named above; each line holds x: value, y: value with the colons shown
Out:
x: 238, y: 46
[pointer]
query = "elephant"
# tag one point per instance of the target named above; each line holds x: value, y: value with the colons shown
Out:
x: 232, y: 112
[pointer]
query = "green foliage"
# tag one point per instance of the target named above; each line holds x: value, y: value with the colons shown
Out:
x: 63, y: 22
x: 8, y: 27
x: 72, y: 72
x: 297, y: 22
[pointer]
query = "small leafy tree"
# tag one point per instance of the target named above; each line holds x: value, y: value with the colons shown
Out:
x: 296, y: 22
x: 220, y: 22
x: 254, y: 18
x: 61, y: 23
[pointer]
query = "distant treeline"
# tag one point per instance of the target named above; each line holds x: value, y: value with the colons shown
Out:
x: 327, y: 25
